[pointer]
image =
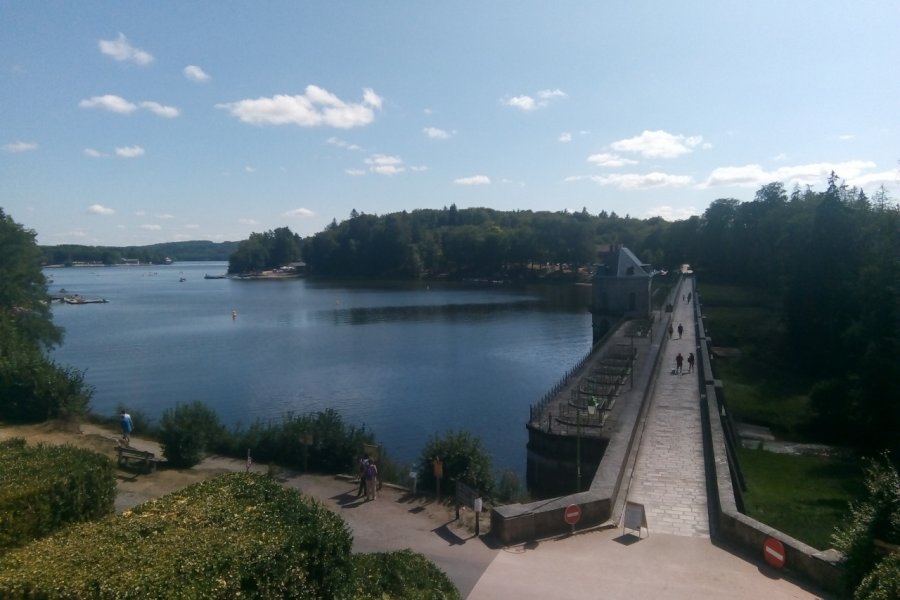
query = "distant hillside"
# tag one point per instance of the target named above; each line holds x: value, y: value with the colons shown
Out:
x: 154, y: 253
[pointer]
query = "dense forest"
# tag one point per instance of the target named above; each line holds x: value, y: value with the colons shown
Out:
x: 156, y: 254
x: 831, y: 259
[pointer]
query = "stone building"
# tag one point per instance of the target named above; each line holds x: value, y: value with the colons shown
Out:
x: 621, y: 290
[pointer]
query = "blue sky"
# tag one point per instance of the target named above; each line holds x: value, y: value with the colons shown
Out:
x: 130, y: 123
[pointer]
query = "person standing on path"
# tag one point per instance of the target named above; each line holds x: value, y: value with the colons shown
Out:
x: 679, y: 360
x: 680, y: 330
x: 691, y: 362
x: 363, y: 463
x: 127, y: 427
x: 371, y: 480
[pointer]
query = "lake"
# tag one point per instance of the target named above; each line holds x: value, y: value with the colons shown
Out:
x: 405, y: 360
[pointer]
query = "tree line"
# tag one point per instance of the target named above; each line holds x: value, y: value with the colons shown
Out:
x: 155, y: 254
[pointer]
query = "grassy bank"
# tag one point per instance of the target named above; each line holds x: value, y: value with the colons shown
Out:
x: 803, y: 496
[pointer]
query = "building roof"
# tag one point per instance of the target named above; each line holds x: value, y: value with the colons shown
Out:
x: 622, y: 262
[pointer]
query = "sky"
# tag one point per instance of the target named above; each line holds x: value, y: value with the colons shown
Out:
x: 133, y: 123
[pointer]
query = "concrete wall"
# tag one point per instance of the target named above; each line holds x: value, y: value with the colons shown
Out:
x: 823, y: 568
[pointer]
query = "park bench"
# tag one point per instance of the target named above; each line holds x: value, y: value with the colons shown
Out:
x: 142, y: 460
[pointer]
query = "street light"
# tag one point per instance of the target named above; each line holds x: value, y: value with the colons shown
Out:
x: 591, y: 408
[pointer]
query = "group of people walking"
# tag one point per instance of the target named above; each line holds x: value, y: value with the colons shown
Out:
x: 679, y: 359
x: 368, y: 478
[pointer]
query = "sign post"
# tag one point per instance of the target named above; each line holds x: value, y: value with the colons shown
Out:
x: 572, y: 515
x: 773, y: 552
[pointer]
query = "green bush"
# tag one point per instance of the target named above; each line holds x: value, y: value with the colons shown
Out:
x: 239, y: 535
x: 187, y: 431
x: 401, y: 575
x: 876, y: 517
x: 464, y: 458
x: 883, y: 583
x: 335, y: 445
x: 43, y: 488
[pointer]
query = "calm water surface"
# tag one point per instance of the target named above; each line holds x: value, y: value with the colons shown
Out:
x: 405, y: 361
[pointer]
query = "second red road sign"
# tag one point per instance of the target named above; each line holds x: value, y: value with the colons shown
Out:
x: 572, y: 514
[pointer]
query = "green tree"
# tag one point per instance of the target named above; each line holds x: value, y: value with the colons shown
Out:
x: 464, y: 459
x: 187, y: 431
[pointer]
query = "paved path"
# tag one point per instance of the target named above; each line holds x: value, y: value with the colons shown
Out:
x: 669, y: 478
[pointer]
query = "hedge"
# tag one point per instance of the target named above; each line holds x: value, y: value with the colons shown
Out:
x: 238, y: 535
x: 400, y: 575
x: 43, y: 488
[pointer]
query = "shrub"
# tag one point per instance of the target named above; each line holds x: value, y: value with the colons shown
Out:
x: 877, y: 516
x: 464, y: 460
x: 187, y: 431
x: 43, y: 488
x: 335, y: 448
x: 239, y: 535
x: 401, y: 575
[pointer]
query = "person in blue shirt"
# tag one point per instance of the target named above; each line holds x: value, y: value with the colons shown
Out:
x: 127, y: 427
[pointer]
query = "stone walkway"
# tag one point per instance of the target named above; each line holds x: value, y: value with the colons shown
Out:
x: 669, y: 477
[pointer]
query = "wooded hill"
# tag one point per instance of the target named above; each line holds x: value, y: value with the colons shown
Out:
x: 153, y: 254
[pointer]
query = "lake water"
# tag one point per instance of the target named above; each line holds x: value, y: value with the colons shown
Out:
x: 406, y: 361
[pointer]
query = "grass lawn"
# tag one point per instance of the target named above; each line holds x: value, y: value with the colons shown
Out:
x: 803, y: 496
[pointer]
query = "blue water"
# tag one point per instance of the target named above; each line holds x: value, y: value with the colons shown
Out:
x: 406, y: 361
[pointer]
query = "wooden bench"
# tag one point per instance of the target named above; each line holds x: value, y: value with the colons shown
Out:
x: 134, y: 458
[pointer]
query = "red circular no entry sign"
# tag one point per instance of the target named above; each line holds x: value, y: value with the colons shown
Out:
x: 572, y: 514
x: 773, y: 552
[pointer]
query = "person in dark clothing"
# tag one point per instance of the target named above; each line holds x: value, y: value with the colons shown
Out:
x: 691, y: 362
x: 679, y: 361
x: 680, y: 330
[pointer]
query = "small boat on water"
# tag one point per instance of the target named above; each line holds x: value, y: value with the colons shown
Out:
x: 208, y: 276
x: 76, y: 299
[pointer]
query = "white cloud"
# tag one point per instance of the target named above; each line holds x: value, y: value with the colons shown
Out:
x: 151, y: 227
x: 383, y: 164
x: 522, y: 102
x: 550, y: 94
x: 195, y: 73
x: 316, y: 107
x: 659, y: 144
x: 872, y: 181
x: 249, y: 169
x: 418, y: 168
x: 122, y: 50
x: 780, y: 156
x: 120, y: 105
x: 529, y: 103
x: 109, y: 102
x: 342, y: 144
x: 436, y: 134
x: 355, y: 172
x: 810, y: 174
x: 165, y: 216
x: 130, y: 151
x: 94, y: 153
x: 565, y: 137
x: 670, y: 213
x: 473, y: 180
x: 14, y: 147
x: 610, y: 160
x: 99, y: 209
x: 246, y: 221
x: 636, y: 181
x: 169, y: 112
x: 192, y: 226
x: 299, y: 212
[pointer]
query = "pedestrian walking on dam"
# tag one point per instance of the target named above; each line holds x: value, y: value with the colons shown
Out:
x: 680, y: 330
x: 679, y: 361
x: 691, y: 362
